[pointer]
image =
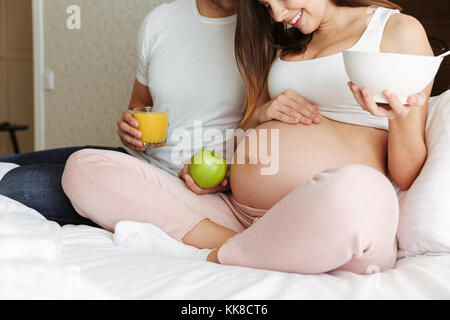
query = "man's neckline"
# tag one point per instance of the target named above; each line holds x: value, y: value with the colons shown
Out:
x: 208, y: 20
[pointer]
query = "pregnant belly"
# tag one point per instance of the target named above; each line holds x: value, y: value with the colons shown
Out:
x: 267, y: 169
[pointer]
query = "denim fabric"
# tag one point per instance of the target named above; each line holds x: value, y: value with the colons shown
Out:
x: 37, y: 183
x: 52, y: 156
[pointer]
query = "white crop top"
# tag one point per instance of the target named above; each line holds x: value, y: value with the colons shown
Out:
x: 323, y: 81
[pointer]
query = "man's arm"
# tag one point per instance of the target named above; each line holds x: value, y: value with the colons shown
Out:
x: 140, y: 97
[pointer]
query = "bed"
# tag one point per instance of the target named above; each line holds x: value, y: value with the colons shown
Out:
x: 41, y: 260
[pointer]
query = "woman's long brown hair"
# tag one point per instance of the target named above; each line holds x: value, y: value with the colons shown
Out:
x: 259, y: 37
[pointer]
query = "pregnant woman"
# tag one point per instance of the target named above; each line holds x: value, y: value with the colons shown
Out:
x: 330, y: 206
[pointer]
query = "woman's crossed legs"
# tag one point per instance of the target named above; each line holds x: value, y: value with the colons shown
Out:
x: 343, y: 218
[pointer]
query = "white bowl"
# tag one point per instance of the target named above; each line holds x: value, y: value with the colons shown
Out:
x: 402, y: 74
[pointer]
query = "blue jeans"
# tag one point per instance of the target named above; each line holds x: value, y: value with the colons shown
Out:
x: 37, y: 183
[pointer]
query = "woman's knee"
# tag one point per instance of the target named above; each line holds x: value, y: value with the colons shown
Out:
x: 74, y: 180
x: 73, y: 169
x: 361, y: 190
x: 362, y: 180
x: 85, y: 157
x: 84, y: 162
x: 365, y: 205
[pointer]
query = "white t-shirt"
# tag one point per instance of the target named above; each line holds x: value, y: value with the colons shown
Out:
x: 188, y: 63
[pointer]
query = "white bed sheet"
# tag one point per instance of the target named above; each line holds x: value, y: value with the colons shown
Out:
x: 40, y: 260
x: 31, y: 250
x: 133, y: 275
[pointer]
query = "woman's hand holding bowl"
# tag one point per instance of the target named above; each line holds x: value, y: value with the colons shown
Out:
x: 394, y: 109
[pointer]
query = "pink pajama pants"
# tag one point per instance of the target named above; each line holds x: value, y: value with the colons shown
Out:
x: 343, y: 218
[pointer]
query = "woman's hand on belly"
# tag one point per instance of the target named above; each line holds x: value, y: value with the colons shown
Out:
x: 289, y: 107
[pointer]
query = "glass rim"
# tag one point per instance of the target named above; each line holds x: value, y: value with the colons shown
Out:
x: 149, y: 110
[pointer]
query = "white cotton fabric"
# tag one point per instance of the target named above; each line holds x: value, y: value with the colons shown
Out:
x: 127, y: 274
x: 424, y: 225
x: 188, y: 63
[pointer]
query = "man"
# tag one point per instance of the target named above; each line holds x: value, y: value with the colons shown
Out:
x: 186, y: 63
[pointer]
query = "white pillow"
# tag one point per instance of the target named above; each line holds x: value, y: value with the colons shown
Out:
x: 25, y: 233
x: 424, y: 225
x: 5, y: 167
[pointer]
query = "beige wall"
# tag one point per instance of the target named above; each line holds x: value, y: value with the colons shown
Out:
x: 94, y: 68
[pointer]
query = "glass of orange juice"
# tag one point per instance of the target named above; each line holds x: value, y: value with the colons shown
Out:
x: 153, y: 126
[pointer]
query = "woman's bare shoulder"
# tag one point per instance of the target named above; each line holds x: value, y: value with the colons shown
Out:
x: 405, y: 34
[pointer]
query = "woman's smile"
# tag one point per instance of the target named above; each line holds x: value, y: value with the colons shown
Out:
x: 296, y: 21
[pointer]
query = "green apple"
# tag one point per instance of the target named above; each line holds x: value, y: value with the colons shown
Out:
x: 207, y: 168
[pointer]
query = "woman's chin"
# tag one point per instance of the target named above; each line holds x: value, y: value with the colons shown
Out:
x: 305, y: 30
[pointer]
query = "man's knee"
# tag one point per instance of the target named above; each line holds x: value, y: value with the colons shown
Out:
x: 11, y: 184
x: 33, y: 179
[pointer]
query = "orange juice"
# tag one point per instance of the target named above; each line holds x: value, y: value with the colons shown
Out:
x: 153, y: 126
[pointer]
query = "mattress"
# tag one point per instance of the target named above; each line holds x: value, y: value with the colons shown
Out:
x: 41, y: 260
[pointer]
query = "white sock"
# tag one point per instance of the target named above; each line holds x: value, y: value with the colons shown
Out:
x: 147, y: 237
x: 5, y: 167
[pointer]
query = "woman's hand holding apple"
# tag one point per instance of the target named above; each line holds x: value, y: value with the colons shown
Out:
x: 209, y: 171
